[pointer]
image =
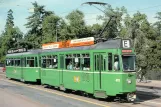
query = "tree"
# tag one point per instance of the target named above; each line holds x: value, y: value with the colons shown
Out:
x: 143, y: 35
x: 157, y: 24
x: 18, y: 38
x: 96, y: 30
x: 9, y: 21
x: 52, y: 25
x: 34, y: 24
x: 76, y: 27
x: 7, y: 35
x: 115, y: 17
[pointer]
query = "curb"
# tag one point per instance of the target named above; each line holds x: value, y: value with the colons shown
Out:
x: 149, y: 87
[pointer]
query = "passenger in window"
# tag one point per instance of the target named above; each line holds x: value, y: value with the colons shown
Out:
x: 50, y: 65
x: 44, y: 65
x: 70, y: 66
x: 86, y: 68
x: 55, y: 66
x: 76, y: 67
x: 116, y: 64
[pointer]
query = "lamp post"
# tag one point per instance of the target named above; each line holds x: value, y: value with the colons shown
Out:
x: 56, y: 30
x: 56, y: 33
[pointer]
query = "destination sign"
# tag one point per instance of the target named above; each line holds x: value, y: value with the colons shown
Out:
x: 17, y: 50
x: 126, y: 51
x: 126, y: 43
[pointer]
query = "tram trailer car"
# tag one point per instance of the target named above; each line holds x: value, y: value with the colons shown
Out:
x: 104, y: 69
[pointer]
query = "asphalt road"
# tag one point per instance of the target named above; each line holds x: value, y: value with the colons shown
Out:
x: 17, y: 94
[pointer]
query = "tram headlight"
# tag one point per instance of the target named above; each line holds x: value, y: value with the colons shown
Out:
x: 129, y: 81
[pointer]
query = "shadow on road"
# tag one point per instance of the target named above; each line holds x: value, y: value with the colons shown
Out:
x: 145, y: 96
x: 141, y: 95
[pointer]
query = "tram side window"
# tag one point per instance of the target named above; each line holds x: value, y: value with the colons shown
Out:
x: 55, y: 62
x: 69, y: 62
x: 116, y: 63
x: 72, y: 61
x: 8, y: 62
x: 43, y: 60
x: 12, y: 62
x: 30, y: 62
x: 50, y: 61
x: 76, y: 61
x: 17, y: 62
x: 109, y: 61
x: 85, y: 62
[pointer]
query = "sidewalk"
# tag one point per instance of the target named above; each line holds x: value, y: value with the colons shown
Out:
x: 150, y: 84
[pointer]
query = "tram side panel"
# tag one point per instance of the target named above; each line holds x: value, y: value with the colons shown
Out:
x: 49, y: 69
x: 77, y: 73
x: 30, y: 68
x: 13, y: 67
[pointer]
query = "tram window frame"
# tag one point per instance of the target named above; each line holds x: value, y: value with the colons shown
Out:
x: 54, y: 61
x: 118, y: 62
x: 73, y: 61
x: 85, y: 67
x: 17, y: 62
x: 30, y: 61
x: 49, y: 61
x: 12, y: 62
x: 68, y: 62
x: 9, y: 62
x: 110, y: 65
x: 76, y: 63
x: 43, y: 61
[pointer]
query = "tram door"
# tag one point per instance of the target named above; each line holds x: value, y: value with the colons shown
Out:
x: 61, y: 69
x: 100, y: 60
x: 23, y: 63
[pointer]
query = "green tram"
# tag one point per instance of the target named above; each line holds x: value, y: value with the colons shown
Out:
x: 103, y: 69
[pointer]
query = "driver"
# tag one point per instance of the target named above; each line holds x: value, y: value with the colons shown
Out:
x: 116, y: 64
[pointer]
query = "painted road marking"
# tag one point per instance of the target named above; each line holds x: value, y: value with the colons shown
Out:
x: 67, y: 96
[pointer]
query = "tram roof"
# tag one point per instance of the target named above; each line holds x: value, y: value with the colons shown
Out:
x: 110, y: 44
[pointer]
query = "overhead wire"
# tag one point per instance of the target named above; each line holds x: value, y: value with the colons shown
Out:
x: 145, y: 8
x: 103, y: 11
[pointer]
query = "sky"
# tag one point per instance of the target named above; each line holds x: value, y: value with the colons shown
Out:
x: 63, y: 7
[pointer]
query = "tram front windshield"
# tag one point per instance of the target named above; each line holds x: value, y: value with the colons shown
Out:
x: 128, y: 63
